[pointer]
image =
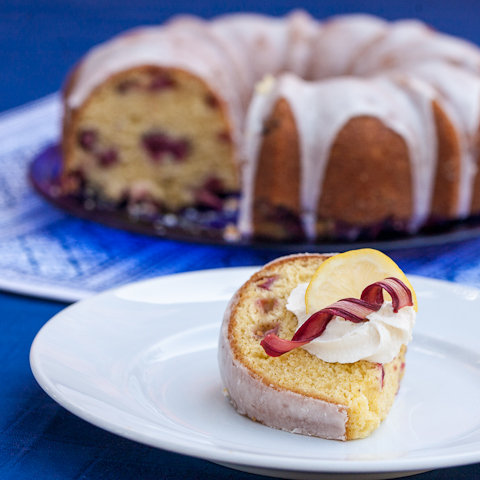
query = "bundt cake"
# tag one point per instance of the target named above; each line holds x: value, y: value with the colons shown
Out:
x: 341, y: 384
x: 359, y: 125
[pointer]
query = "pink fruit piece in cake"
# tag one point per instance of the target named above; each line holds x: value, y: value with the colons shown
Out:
x: 262, y: 329
x: 382, y: 374
x: 352, y: 309
x: 87, y: 139
x: 158, y: 144
x: 180, y: 149
x: 205, y: 198
x: 107, y: 158
x: 266, y: 305
x: 214, y: 185
x: 211, y: 100
x: 161, y: 82
x: 267, y: 283
x: 225, y: 137
x: 73, y: 181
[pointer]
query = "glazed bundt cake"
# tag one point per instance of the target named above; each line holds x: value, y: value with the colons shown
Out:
x: 359, y: 125
x: 340, y: 388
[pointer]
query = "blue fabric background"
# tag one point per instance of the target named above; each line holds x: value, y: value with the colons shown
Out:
x: 41, y: 39
x: 39, y: 42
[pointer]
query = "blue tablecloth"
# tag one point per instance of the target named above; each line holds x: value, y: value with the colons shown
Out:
x: 39, y: 41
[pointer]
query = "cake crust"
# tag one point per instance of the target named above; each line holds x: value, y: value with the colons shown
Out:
x: 275, y: 406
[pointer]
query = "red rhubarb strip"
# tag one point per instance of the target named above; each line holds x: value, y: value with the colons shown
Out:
x: 400, y: 293
x: 351, y: 309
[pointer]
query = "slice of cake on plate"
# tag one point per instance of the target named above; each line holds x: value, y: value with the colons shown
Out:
x: 308, y: 344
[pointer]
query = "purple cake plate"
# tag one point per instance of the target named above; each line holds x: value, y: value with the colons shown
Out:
x: 211, y: 227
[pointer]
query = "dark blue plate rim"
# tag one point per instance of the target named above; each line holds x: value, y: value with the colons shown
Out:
x: 44, y: 175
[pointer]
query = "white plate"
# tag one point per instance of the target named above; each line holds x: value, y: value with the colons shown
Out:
x: 140, y: 361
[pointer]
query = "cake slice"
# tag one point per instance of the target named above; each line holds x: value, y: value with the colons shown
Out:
x: 298, y: 391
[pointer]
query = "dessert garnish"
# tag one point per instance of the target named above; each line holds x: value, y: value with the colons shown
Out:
x: 352, y: 309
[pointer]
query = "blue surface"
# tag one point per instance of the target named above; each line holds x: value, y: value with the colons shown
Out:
x: 39, y: 43
x: 41, y: 40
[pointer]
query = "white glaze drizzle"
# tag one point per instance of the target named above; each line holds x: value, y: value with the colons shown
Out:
x: 462, y: 105
x: 409, y: 42
x: 412, y: 100
x: 330, y: 57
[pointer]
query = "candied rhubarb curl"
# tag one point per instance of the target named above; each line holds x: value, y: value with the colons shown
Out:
x: 382, y: 374
x: 351, y: 309
x: 158, y: 144
x: 400, y: 293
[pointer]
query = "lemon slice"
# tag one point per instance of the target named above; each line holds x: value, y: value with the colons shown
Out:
x: 346, y: 275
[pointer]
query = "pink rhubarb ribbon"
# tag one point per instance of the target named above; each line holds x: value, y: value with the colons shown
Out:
x: 353, y: 309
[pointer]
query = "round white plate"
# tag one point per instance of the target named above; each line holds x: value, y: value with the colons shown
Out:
x: 141, y: 361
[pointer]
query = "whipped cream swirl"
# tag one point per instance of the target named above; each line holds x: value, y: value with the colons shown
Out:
x: 378, y: 340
